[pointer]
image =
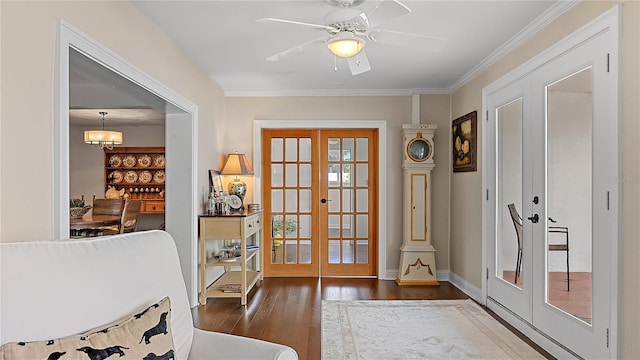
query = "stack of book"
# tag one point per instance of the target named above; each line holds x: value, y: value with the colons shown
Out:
x: 234, y: 288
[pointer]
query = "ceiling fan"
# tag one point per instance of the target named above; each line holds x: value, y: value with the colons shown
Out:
x: 349, y: 29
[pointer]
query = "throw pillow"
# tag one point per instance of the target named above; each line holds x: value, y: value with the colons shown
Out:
x: 146, y: 335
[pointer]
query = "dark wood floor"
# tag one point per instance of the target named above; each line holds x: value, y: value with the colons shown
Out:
x: 288, y: 310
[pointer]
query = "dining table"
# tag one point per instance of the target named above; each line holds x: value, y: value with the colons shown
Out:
x: 89, y: 220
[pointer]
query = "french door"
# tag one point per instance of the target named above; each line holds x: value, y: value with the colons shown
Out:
x: 552, y: 140
x: 320, y: 200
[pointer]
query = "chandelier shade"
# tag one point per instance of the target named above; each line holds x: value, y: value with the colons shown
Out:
x: 102, y: 138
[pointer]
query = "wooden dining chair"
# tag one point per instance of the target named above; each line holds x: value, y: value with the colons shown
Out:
x: 111, y: 207
x: 128, y: 220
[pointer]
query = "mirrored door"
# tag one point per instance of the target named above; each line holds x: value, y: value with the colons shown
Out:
x: 509, y: 275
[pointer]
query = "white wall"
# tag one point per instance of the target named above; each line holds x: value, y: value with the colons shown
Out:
x: 27, y: 66
x: 395, y: 110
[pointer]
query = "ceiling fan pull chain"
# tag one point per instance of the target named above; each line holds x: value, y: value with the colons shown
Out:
x: 335, y: 63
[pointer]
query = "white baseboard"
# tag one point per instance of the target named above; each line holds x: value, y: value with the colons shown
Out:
x: 552, y: 347
x: 466, y: 287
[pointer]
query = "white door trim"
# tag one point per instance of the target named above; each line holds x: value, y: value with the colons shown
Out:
x: 181, y: 215
x: 381, y: 125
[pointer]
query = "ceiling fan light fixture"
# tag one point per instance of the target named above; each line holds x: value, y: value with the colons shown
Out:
x: 346, y: 45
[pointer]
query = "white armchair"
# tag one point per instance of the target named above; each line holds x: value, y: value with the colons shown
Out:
x: 52, y: 289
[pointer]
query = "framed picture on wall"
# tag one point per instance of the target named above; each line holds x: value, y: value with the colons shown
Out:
x: 464, y: 143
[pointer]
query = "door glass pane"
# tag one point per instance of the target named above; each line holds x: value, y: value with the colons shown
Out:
x: 509, y: 193
x: 362, y: 223
x: 305, y: 150
x: 277, y: 149
x: 362, y: 200
x: 569, y: 194
x: 334, y: 200
x: 291, y: 200
x: 291, y: 252
x: 277, y: 175
x: 334, y: 251
x: 347, y: 252
x: 347, y: 200
x: 362, y: 175
x: 292, y: 175
x: 347, y: 170
x: 347, y: 226
x: 291, y: 149
x: 334, y: 226
x: 333, y: 175
x: 362, y: 149
x: 305, y: 251
x: 305, y: 175
x: 305, y: 226
x: 276, y: 201
x: 362, y: 251
x: 334, y: 149
x: 305, y: 200
x: 291, y: 228
x: 347, y: 150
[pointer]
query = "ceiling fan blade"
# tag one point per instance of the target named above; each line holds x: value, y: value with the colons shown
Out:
x: 416, y: 41
x: 296, y: 49
x: 359, y: 64
x: 317, y: 26
x: 385, y: 11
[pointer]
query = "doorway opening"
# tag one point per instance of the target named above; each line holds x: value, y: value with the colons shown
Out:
x: 181, y: 146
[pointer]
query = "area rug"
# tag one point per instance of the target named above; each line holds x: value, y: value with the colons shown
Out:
x: 416, y: 329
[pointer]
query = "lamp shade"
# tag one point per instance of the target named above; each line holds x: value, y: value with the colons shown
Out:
x: 97, y: 137
x: 236, y: 164
x: 346, y: 45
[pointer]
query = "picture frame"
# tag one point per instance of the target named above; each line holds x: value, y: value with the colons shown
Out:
x: 215, y: 182
x: 464, y: 144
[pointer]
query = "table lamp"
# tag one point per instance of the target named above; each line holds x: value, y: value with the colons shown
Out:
x: 237, y: 164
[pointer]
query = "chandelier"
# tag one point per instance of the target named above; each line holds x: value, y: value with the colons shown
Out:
x: 101, y: 139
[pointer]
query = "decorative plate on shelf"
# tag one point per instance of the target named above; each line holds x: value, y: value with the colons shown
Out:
x: 145, y: 176
x: 144, y: 160
x: 158, y: 177
x: 115, y: 177
x: 115, y: 160
x: 131, y: 176
x: 129, y: 161
x: 159, y: 161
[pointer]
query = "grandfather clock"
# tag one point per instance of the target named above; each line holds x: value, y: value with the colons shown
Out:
x: 417, y: 255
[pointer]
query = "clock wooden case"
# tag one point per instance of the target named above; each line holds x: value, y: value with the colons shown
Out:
x: 417, y: 254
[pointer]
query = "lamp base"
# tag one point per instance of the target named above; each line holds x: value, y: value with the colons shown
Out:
x: 237, y: 187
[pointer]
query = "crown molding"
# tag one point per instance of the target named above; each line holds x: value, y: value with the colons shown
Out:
x: 332, y: 92
x: 534, y: 27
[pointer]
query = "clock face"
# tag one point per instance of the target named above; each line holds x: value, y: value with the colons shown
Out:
x: 235, y: 202
x: 419, y: 149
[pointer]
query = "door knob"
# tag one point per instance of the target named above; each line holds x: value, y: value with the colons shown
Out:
x: 534, y: 219
x: 324, y: 201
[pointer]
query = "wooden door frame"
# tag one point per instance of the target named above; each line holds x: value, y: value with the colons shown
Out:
x: 381, y: 125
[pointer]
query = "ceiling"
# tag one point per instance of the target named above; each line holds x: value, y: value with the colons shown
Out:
x: 224, y: 38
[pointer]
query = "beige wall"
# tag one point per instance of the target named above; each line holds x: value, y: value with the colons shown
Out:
x: 27, y: 70
x: 466, y: 259
x: 395, y: 110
